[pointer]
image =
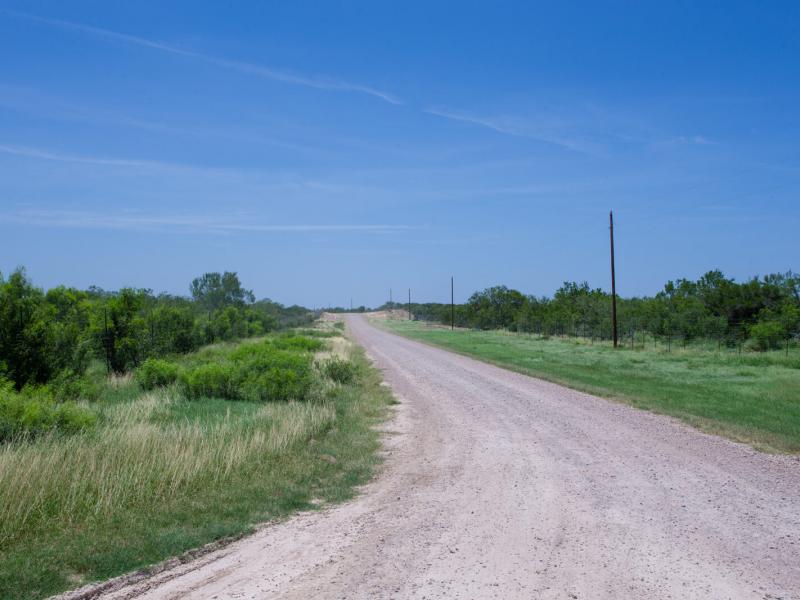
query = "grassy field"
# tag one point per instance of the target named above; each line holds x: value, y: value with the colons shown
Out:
x: 161, y: 474
x: 754, y: 398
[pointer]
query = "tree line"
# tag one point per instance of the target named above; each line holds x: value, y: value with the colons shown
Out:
x: 55, y: 334
x: 762, y: 313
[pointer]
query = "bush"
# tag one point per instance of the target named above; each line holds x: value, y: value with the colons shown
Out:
x: 340, y: 371
x: 297, y: 342
x: 276, y: 384
x: 255, y: 372
x: 33, y: 412
x: 212, y: 380
x: 266, y: 373
x: 155, y: 372
x: 68, y: 385
x: 767, y: 335
x: 319, y: 333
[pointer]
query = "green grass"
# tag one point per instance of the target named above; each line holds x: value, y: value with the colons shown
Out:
x: 754, y: 398
x: 161, y: 474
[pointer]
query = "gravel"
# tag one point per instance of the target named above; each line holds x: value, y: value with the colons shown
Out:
x: 498, y: 485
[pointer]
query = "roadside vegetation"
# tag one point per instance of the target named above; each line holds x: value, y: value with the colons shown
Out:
x: 52, y: 337
x: 719, y: 354
x: 759, y: 314
x: 752, y: 397
x: 49, y: 341
x: 180, y: 451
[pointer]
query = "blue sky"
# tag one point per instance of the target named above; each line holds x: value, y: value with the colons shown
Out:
x: 329, y: 151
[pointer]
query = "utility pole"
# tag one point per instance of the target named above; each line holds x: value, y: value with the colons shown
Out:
x: 452, y: 307
x: 391, y: 303
x: 613, y: 283
x: 351, y: 305
x: 409, y: 304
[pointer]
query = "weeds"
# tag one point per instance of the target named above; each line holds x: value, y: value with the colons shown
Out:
x: 156, y: 372
x: 257, y: 372
x: 297, y: 342
x: 339, y: 371
x: 319, y: 333
x: 33, y: 413
x: 160, y: 474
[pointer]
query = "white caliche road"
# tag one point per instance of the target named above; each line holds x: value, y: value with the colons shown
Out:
x: 498, y: 485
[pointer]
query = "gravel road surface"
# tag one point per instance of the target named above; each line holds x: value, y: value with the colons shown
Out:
x: 497, y: 485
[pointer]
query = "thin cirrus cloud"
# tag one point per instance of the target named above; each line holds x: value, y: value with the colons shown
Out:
x: 520, y: 128
x: 101, y: 161
x: 317, y: 82
x: 180, y: 224
x: 38, y: 153
x: 543, y: 131
x: 571, y: 133
x: 31, y: 101
x: 253, y: 178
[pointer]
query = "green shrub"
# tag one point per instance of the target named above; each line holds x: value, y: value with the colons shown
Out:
x: 267, y: 373
x: 340, y: 371
x: 68, y: 385
x: 767, y: 335
x: 155, y: 372
x: 257, y: 372
x: 298, y: 342
x: 33, y: 412
x: 212, y: 380
x: 319, y: 333
x: 272, y: 370
x: 275, y: 384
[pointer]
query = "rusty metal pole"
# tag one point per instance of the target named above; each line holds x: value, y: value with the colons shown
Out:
x: 613, y: 283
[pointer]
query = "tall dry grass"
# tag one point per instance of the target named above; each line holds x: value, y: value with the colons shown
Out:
x: 140, y: 457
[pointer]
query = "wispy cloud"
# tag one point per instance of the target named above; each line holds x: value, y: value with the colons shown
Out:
x: 238, y: 179
x: 316, y: 81
x: 484, y: 122
x: 588, y: 129
x: 31, y: 101
x: 38, y: 153
x: 549, y: 133
x: 683, y: 140
x: 214, y: 224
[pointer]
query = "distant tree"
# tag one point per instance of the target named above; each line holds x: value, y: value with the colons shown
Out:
x: 713, y: 307
x: 120, y: 330
x: 171, y: 330
x: 495, y: 307
x: 26, y: 337
x: 70, y: 310
x: 214, y: 291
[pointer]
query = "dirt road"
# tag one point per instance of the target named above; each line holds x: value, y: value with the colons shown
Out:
x: 497, y: 485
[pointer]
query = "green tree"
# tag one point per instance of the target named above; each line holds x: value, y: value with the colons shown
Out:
x: 214, y: 291
x: 26, y: 336
x: 120, y: 330
x: 71, y: 311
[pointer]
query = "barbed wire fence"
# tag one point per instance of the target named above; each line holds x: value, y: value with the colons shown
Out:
x: 633, y: 334
x: 710, y: 334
